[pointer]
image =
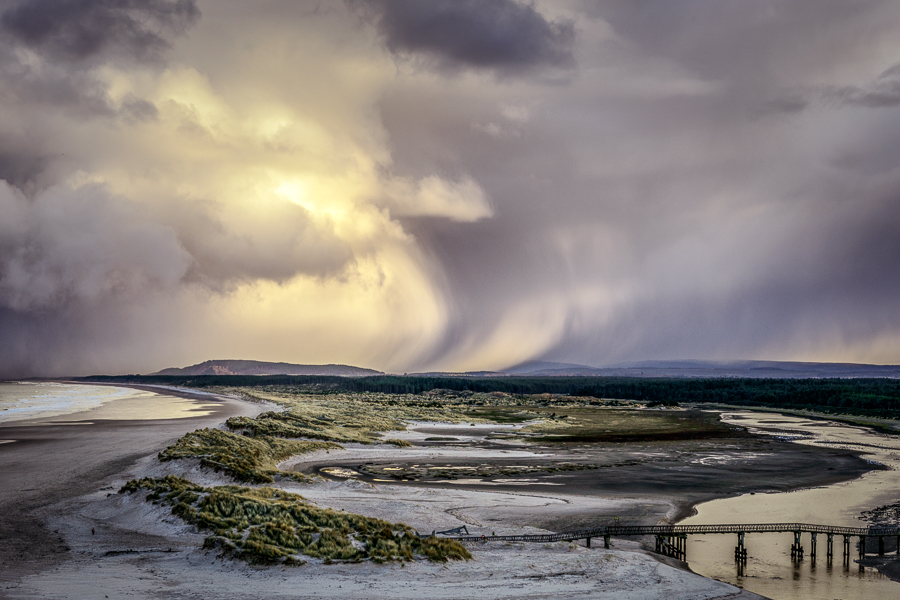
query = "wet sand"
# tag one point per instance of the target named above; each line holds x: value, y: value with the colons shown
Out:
x: 46, y: 461
x: 770, y: 569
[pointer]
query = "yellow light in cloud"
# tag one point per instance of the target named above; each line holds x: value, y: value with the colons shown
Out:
x: 297, y: 192
x: 322, y: 197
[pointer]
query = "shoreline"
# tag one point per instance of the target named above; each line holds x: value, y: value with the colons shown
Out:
x: 59, y: 458
x: 136, y: 532
x: 876, y: 424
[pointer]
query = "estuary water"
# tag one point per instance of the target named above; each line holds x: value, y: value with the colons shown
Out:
x: 770, y: 570
x: 27, y: 400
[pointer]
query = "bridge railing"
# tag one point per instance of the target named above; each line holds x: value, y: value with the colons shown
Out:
x: 630, y: 530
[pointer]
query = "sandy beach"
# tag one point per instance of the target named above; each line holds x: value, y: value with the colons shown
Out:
x: 70, y: 535
x: 52, y: 460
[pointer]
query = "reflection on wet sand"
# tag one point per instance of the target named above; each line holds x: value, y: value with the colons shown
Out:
x: 161, y: 407
x: 770, y: 570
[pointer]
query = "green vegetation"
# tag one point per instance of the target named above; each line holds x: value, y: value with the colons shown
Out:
x: 249, y: 459
x: 268, y: 525
x: 862, y: 397
x: 398, y: 443
x: 348, y: 417
x: 252, y: 448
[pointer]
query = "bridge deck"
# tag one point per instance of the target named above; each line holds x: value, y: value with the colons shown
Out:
x: 668, y: 530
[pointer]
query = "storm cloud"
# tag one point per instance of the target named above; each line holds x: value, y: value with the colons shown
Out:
x: 419, y: 188
x: 78, y: 30
x: 506, y: 36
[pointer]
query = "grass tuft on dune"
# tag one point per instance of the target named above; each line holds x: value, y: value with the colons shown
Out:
x: 268, y: 525
x: 247, y: 459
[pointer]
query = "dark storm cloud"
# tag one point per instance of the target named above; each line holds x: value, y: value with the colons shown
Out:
x: 21, y: 169
x: 503, y: 35
x: 717, y: 180
x: 65, y: 42
x: 737, y: 203
x: 883, y: 92
x: 742, y: 41
x: 78, y: 30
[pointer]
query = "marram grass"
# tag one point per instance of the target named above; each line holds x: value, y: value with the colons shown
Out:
x: 249, y: 459
x: 268, y: 525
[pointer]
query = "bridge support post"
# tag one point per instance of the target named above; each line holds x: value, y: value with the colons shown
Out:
x: 588, y: 542
x: 880, y: 545
x: 740, y: 552
x: 796, y: 547
x: 659, y: 544
x: 812, y: 545
x: 606, y: 541
x: 862, y: 546
x: 829, y: 547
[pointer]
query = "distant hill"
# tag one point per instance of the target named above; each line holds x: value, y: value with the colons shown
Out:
x: 768, y: 369
x: 544, y: 366
x: 256, y: 367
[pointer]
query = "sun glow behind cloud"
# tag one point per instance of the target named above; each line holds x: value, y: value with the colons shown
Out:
x: 267, y: 174
x: 434, y: 185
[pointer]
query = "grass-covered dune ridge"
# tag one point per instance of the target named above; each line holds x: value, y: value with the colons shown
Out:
x: 269, y: 525
x: 355, y: 417
x: 249, y: 449
x: 248, y: 459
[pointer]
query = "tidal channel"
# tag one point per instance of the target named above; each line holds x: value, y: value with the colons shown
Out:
x: 770, y: 570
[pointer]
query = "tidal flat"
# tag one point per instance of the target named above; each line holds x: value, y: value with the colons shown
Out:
x: 496, y: 463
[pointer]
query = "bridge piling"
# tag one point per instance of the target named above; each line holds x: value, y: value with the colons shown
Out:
x: 880, y: 545
x: 812, y: 546
x: 672, y: 545
x: 796, y: 547
x: 606, y: 541
x: 588, y: 542
x: 740, y: 552
x: 862, y: 546
x: 829, y: 547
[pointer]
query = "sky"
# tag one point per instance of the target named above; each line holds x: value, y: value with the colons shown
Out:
x: 447, y: 185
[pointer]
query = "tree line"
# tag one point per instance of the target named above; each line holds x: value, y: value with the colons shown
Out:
x: 870, y: 397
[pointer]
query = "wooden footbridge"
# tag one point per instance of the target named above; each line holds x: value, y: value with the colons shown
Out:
x: 671, y: 540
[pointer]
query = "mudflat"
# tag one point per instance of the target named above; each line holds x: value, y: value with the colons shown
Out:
x: 662, y: 480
